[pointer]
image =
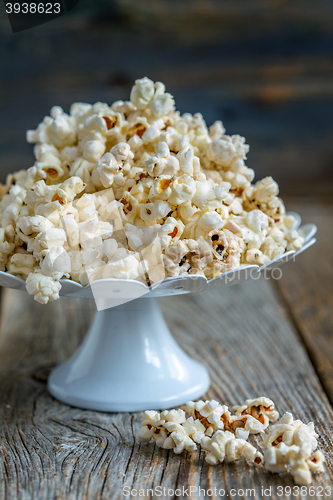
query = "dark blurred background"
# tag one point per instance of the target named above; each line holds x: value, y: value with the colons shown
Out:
x: 265, y: 68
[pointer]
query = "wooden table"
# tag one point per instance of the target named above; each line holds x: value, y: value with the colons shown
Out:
x: 262, y: 337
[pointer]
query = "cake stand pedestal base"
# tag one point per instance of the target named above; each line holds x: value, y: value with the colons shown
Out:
x: 129, y: 361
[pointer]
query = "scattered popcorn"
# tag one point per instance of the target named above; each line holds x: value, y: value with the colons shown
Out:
x: 136, y: 171
x: 289, y: 447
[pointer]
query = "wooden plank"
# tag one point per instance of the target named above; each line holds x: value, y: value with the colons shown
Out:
x: 308, y: 289
x: 50, y: 450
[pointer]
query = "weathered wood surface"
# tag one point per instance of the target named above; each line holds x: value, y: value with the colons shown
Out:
x: 307, y: 287
x: 50, y: 450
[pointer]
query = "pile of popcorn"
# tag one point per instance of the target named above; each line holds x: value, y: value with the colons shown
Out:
x: 290, y: 446
x: 111, y: 181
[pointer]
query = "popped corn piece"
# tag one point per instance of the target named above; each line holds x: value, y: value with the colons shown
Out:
x: 43, y: 288
x: 316, y: 462
x: 217, y: 130
x: 237, y: 448
x: 298, y: 460
x: 146, y: 94
x: 56, y: 263
x: 183, y: 189
x: 257, y: 221
x: 214, y: 416
x: 209, y: 413
x: 51, y: 237
x: 216, y: 446
x: 148, y: 426
x: 278, y: 458
x: 299, y: 468
x: 223, y: 152
x: 291, y: 446
x: 261, y: 409
x: 107, y: 167
x: 21, y: 264
x: 166, y: 429
x: 291, y: 432
x: 178, y: 438
x: 175, y: 416
x: 211, y: 220
x: 171, y: 231
x: 195, y: 429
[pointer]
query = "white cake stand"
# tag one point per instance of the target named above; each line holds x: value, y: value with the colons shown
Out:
x: 129, y: 360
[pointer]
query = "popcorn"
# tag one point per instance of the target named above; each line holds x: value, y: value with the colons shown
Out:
x: 237, y: 448
x: 59, y: 129
x: 43, y: 288
x: 224, y: 445
x: 291, y: 446
x: 145, y: 175
x: 182, y: 190
x: 68, y: 155
x: 171, y: 231
x: 276, y: 459
x: 56, y: 263
x: 216, y: 446
x: 175, y: 258
x: 142, y: 93
x: 213, y: 416
x: 266, y: 189
x: 257, y: 221
x: 166, y: 430
x: 298, y: 460
x: 189, y: 164
x: 223, y: 152
x: 261, y: 409
x: 145, y: 93
x: 209, y: 414
x: 291, y: 432
x: 123, y: 266
x: 205, y: 193
x: 161, y: 208
x: 162, y: 188
x: 223, y: 436
x: 194, y: 429
x: 316, y: 462
x: 178, y: 440
x: 210, y: 220
x: 148, y: 426
x: 49, y: 238
x: 21, y: 264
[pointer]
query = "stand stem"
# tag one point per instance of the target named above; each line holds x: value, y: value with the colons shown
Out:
x: 129, y: 361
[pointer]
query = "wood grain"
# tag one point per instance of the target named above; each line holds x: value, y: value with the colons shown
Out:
x: 308, y: 289
x: 50, y: 450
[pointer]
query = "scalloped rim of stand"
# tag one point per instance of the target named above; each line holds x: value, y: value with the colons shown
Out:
x: 170, y: 286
